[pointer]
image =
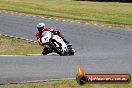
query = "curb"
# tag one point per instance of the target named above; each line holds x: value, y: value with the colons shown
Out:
x: 61, y: 19
x: 18, y: 38
x: 29, y: 55
x: 21, y: 55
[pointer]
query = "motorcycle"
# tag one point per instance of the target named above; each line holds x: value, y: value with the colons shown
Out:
x: 56, y: 44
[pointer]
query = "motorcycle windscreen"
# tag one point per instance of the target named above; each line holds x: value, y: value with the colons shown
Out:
x: 46, y: 36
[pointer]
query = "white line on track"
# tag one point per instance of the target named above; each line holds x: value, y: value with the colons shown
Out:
x: 29, y: 55
x: 48, y: 80
x: 33, y: 55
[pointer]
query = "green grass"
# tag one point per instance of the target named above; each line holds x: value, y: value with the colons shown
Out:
x: 66, y: 84
x: 12, y: 46
x: 105, y: 12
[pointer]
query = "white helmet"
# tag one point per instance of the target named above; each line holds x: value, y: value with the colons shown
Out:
x: 40, y: 26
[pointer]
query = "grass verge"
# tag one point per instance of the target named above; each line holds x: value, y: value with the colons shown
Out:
x: 12, y: 46
x: 105, y: 12
x: 65, y: 84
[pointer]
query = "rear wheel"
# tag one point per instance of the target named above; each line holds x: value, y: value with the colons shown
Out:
x: 71, y: 52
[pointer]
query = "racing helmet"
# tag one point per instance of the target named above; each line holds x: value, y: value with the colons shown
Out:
x: 40, y: 26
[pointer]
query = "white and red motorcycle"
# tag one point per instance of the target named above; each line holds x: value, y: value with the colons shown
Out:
x: 56, y: 44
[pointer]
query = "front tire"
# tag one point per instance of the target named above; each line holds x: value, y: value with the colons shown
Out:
x: 56, y: 49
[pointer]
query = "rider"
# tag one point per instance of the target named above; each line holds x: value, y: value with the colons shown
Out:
x: 41, y: 28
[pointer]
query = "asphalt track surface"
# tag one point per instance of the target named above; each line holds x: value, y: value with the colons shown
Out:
x: 99, y: 50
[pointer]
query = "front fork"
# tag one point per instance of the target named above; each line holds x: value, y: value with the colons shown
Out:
x: 60, y: 40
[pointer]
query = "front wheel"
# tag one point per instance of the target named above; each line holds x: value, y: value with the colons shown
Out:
x: 56, y: 49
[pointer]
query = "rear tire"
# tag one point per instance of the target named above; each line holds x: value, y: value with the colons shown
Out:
x: 71, y: 52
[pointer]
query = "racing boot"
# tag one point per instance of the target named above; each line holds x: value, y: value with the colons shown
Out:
x: 46, y: 51
x: 65, y: 40
x: 67, y: 43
